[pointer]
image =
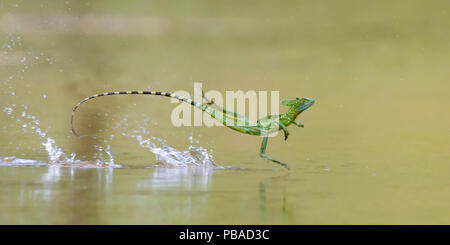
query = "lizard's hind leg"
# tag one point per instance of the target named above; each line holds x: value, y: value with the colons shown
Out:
x: 263, y: 155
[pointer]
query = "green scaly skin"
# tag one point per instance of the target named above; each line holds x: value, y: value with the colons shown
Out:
x: 233, y: 120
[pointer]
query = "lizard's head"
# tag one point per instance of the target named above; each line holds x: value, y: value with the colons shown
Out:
x: 299, y: 104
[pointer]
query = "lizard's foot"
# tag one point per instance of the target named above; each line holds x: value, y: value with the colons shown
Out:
x: 208, y: 101
x: 286, y: 136
x: 211, y: 102
x: 284, y: 165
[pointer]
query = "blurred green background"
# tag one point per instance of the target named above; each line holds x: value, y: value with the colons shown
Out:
x: 375, y: 148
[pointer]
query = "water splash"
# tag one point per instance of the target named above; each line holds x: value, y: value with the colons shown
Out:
x: 194, y: 155
x: 22, y: 59
x: 168, y: 156
x: 56, y: 156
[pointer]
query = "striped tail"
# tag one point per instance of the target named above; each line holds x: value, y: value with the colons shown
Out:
x: 167, y: 94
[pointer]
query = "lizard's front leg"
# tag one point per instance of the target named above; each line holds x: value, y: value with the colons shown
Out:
x: 298, y: 124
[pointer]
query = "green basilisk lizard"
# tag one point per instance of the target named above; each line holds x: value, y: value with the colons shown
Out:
x: 263, y: 127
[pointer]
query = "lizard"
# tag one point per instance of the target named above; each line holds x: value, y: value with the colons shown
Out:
x: 263, y: 127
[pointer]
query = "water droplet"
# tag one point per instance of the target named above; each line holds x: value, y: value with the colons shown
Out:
x: 8, y: 110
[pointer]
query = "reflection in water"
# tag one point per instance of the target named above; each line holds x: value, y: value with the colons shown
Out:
x: 266, y: 184
x: 79, y: 179
x: 54, y: 194
x: 262, y: 199
x: 176, y: 194
x: 179, y: 178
